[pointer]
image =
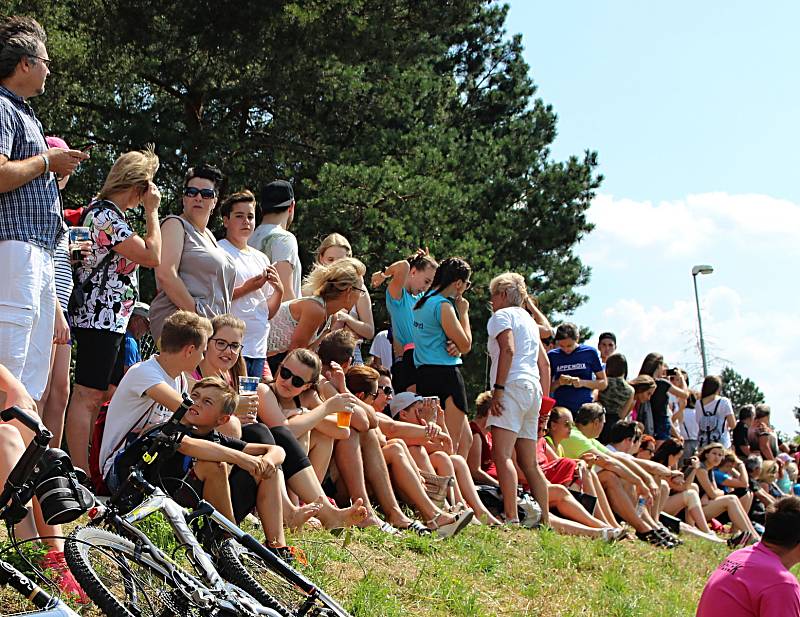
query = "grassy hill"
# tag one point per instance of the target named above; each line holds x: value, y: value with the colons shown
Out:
x: 510, y: 572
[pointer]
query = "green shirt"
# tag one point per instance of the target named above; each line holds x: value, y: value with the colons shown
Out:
x: 577, y: 444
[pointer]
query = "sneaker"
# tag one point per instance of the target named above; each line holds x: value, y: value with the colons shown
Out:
x: 54, y: 561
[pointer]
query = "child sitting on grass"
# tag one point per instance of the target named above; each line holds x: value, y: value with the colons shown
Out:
x: 149, y: 393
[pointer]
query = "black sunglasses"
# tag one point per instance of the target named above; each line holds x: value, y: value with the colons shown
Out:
x: 297, y: 381
x: 387, y: 390
x: 191, y: 191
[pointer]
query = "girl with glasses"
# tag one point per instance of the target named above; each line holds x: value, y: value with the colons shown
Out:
x: 195, y: 273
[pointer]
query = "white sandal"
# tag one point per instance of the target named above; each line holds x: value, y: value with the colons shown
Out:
x: 460, y: 520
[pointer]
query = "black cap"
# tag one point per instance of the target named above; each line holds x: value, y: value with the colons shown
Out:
x: 277, y: 195
x: 607, y: 335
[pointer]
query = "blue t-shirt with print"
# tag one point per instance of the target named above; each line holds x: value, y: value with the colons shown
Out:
x: 582, y: 363
x: 401, y: 313
x: 430, y: 341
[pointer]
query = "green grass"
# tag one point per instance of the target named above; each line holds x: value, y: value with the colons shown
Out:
x: 495, y: 572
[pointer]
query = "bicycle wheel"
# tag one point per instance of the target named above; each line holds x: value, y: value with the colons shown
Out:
x: 267, y: 584
x: 120, y: 580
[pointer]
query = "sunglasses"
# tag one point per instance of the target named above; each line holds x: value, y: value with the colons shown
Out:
x: 297, y: 381
x: 191, y: 191
x: 222, y: 345
x: 387, y: 390
x: 651, y: 451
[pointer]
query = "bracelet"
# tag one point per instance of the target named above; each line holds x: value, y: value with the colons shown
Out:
x: 497, y: 386
x: 46, y: 164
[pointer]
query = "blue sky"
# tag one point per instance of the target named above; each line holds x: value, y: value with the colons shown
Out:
x: 693, y: 109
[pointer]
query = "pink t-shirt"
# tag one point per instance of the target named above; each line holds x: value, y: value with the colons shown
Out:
x: 751, y: 582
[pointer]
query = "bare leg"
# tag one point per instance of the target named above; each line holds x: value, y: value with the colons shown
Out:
x: 232, y: 428
x: 603, y: 508
x: 270, y: 511
x: 458, y: 427
x: 421, y: 459
x: 444, y: 467
x: 731, y: 505
x: 621, y: 501
x: 570, y: 508
x: 54, y: 402
x: 690, y: 501
x: 470, y: 493
x: 377, y: 474
x: 503, y: 441
x: 11, y: 448
x: 526, y: 459
x: 294, y: 516
x: 216, y: 489
x: 83, y: 409
x: 571, y: 528
x: 320, y: 450
x: 347, y: 453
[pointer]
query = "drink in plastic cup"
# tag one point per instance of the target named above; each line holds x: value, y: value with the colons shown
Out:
x: 248, y: 384
x: 343, y: 418
x: 78, y: 234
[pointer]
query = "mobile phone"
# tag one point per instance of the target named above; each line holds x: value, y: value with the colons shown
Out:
x: 87, y: 146
x: 672, y: 372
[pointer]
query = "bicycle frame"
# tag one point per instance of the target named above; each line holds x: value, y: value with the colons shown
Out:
x: 48, y: 605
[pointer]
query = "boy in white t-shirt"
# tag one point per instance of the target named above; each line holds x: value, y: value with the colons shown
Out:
x: 151, y: 391
x: 258, y: 289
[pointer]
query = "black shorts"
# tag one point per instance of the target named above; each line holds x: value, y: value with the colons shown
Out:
x: 100, y: 358
x: 404, y: 372
x: 296, y: 457
x: 444, y: 382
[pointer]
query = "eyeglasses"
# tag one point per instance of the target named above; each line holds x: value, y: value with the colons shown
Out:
x: 45, y: 61
x: 373, y: 394
x: 650, y: 450
x: 297, y: 381
x: 359, y: 290
x: 467, y: 285
x: 222, y: 345
x: 191, y: 191
x: 387, y: 390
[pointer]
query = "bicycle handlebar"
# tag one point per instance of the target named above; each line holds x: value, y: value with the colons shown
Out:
x: 29, y: 420
x: 168, y: 431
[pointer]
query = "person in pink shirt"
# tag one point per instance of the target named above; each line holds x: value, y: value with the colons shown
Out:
x: 755, y: 581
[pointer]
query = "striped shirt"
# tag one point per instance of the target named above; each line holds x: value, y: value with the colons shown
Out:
x: 32, y: 212
x: 63, y: 270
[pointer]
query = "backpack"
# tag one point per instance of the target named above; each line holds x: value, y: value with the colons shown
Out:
x: 708, y: 424
x: 95, y: 473
x: 528, y: 510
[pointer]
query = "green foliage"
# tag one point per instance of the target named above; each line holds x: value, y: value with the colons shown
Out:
x: 400, y: 125
x: 741, y: 390
x: 31, y: 552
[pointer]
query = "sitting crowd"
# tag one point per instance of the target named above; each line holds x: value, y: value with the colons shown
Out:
x: 291, y: 422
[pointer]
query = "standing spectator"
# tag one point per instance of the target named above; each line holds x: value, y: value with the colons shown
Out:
x: 258, y: 289
x: 408, y: 280
x: 274, y: 239
x: 441, y: 315
x: 654, y: 366
x: 30, y: 213
x: 138, y: 326
x: 109, y: 280
x: 714, y: 414
x: 380, y: 351
x: 607, y: 346
x: 516, y: 394
x: 687, y: 425
x: 53, y: 404
x: 617, y: 398
x: 762, y: 438
x: 756, y: 581
x: 576, y: 369
x: 359, y: 319
x: 741, y: 444
x: 195, y: 274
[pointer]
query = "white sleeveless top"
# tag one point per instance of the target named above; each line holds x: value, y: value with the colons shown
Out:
x: 283, y: 325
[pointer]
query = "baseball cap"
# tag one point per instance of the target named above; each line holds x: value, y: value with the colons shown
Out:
x: 402, y: 400
x: 141, y: 309
x: 276, y: 195
x: 607, y: 335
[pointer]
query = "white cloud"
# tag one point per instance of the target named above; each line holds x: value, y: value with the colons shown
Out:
x: 641, y: 253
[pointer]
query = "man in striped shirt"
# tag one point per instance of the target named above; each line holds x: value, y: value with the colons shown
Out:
x: 30, y: 212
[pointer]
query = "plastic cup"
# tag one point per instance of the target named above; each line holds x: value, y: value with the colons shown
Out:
x: 79, y: 234
x: 248, y: 384
x: 343, y: 418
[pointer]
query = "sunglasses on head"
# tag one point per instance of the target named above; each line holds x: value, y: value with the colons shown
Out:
x: 297, y: 381
x: 191, y: 191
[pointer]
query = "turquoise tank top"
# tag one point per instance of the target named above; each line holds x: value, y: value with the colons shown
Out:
x: 430, y: 341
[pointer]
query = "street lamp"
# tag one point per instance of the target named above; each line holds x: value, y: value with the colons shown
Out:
x: 702, y: 269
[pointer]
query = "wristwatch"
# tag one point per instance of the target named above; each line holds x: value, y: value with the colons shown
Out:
x: 497, y: 386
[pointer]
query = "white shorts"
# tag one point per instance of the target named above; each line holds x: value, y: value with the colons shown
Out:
x: 27, y: 313
x: 522, y: 401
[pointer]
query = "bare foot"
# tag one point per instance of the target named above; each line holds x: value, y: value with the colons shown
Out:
x: 370, y: 521
x: 334, y: 518
x: 297, y: 517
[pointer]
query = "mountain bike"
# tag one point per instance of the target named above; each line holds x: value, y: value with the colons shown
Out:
x: 241, y: 566
x: 48, y: 473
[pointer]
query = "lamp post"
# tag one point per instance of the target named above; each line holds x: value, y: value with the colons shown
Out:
x: 702, y: 269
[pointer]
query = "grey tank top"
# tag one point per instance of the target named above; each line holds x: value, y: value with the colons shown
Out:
x: 208, y: 273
